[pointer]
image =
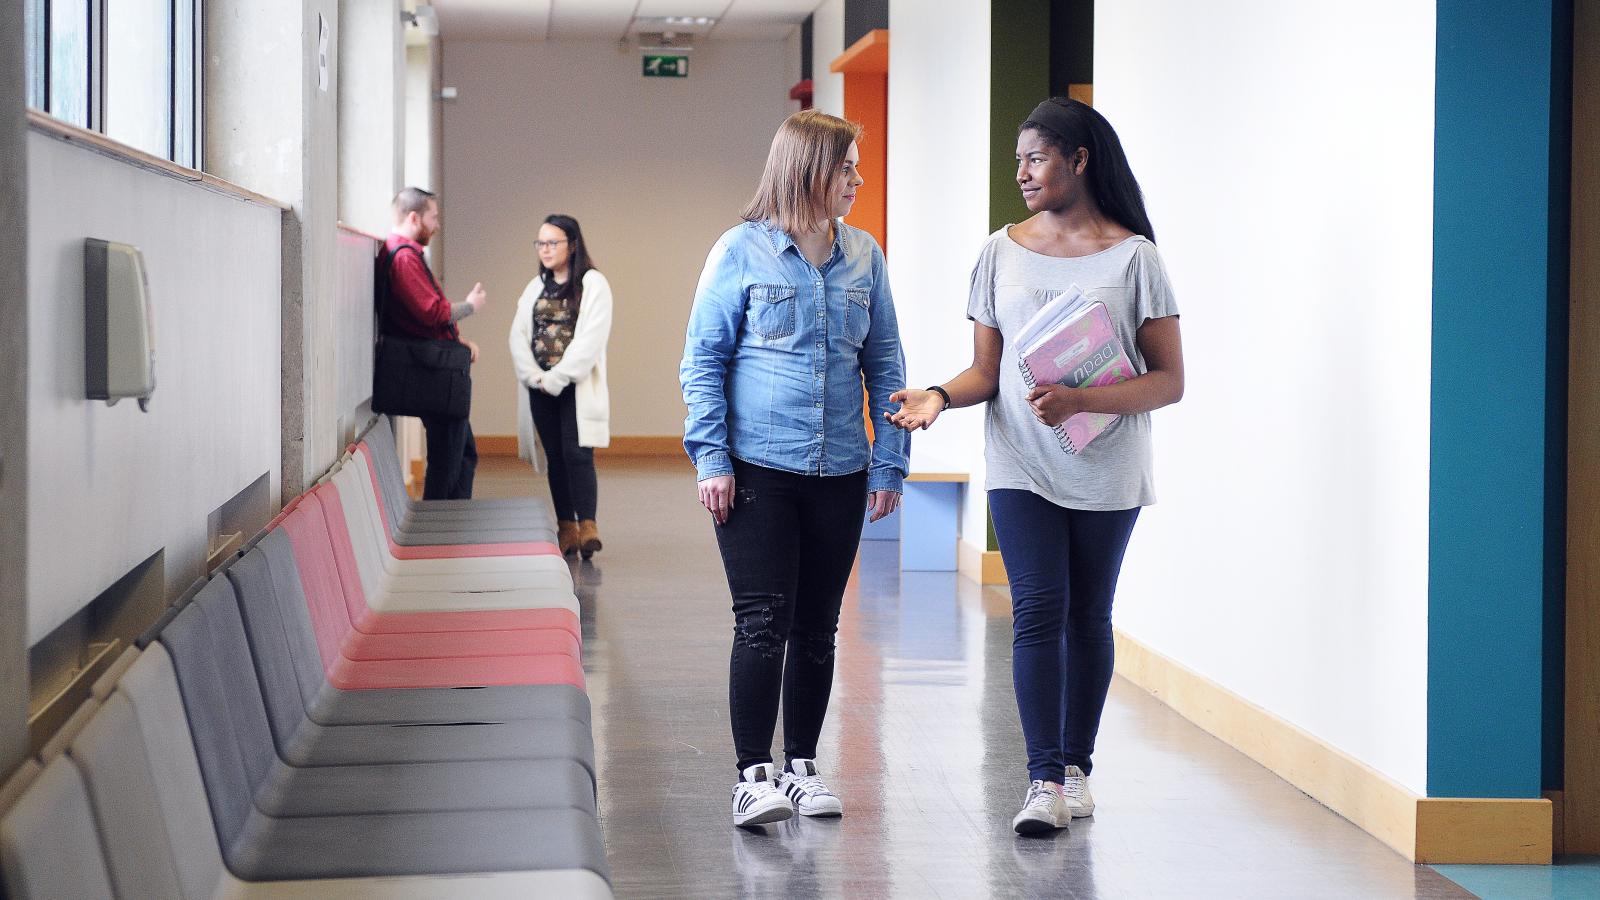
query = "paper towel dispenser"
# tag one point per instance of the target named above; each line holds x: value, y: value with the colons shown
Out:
x: 119, y: 327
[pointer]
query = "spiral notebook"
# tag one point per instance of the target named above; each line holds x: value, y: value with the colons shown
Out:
x: 1071, y: 341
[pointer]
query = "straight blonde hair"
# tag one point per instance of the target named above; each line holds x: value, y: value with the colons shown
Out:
x: 806, y: 157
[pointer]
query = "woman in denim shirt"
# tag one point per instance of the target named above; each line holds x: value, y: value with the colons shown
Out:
x: 791, y: 317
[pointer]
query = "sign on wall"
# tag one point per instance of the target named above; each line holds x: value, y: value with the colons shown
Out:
x: 324, y: 39
x: 666, y: 65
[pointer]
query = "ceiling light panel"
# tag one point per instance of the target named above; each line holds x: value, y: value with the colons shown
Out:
x: 661, y: 9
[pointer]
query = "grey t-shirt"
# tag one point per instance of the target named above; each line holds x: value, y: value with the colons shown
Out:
x: 1009, y: 284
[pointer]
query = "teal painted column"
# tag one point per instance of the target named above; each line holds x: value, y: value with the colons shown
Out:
x: 1497, y: 107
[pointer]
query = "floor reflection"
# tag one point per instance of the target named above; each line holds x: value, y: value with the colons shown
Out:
x: 922, y: 742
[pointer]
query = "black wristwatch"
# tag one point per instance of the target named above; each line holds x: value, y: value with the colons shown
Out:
x: 943, y: 393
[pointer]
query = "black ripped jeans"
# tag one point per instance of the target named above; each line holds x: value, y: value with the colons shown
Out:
x: 788, y: 547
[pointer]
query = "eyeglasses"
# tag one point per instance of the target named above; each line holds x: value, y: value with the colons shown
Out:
x: 548, y: 245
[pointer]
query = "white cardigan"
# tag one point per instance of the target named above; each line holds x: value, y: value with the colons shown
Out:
x: 584, y: 363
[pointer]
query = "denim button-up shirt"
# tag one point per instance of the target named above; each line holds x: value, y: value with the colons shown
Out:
x: 777, y: 353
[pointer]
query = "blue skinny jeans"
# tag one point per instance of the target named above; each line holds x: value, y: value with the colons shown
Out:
x: 1063, y: 566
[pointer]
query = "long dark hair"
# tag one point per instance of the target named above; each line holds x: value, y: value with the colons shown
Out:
x: 579, y: 262
x: 1110, y: 178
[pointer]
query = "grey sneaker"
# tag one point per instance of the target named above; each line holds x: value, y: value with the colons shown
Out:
x: 1042, y: 810
x: 1075, y: 791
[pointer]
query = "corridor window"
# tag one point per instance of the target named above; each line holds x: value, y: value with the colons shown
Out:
x: 33, y: 21
x: 126, y: 69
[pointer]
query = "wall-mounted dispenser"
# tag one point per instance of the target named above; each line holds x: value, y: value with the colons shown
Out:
x: 119, y: 326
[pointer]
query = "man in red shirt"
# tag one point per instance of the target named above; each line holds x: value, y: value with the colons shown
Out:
x: 417, y: 308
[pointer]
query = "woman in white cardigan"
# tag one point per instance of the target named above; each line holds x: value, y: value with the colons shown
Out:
x: 558, y: 344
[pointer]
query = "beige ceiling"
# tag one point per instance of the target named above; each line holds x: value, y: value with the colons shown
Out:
x: 540, y: 20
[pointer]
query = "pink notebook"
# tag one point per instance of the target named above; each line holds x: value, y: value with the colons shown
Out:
x: 1070, y: 341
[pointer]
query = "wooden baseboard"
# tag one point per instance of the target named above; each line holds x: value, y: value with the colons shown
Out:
x: 496, y: 444
x: 980, y: 565
x: 654, y: 446
x: 1422, y: 829
x: 629, y: 446
x: 1496, y: 830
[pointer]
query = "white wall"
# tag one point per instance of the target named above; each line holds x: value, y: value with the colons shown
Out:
x: 272, y: 126
x: 353, y: 351
x: 419, y: 117
x: 1286, y: 154
x: 827, y: 42
x: 938, y: 215
x: 110, y: 486
x: 372, y: 107
x: 654, y: 169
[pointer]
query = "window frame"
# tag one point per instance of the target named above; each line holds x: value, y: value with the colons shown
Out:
x: 185, y: 119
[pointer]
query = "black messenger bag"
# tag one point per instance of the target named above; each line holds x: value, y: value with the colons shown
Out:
x: 412, y: 376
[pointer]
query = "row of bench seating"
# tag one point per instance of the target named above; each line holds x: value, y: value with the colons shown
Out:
x: 377, y: 697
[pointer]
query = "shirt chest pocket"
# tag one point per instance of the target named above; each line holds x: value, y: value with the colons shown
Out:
x: 770, y: 312
x: 857, y: 313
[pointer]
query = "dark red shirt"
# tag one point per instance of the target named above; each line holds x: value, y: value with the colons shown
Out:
x: 417, y: 308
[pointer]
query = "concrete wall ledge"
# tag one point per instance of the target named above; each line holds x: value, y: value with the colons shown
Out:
x: 105, y: 146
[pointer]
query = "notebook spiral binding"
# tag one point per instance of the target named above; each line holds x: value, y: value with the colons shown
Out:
x: 1060, y: 429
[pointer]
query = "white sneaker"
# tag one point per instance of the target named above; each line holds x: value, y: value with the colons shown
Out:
x: 1075, y: 791
x: 800, y: 781
x: 1042, y: 810
x: 757, y: 801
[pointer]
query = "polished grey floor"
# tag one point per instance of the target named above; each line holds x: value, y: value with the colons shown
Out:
x: 922, y: 743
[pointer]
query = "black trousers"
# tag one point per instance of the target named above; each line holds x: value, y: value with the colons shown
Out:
x: 788, y: 547
x: 452, y: 459
x: 569, y: 467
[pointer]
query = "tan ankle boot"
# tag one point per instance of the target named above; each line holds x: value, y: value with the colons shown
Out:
x: 567, y: 537
x: 588, y: 538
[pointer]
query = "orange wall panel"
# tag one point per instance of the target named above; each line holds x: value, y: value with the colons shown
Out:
x: 866, y: 101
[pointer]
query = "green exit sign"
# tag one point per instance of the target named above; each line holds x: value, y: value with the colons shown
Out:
x: 666, y: 65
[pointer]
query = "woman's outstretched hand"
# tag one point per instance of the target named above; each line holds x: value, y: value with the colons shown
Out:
x: 716, y: 495
x: 918, y: 409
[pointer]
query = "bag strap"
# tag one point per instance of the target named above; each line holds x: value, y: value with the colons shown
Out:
x: 382, y: 280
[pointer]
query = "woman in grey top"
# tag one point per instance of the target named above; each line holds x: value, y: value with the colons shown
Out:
x: 1063, y: 520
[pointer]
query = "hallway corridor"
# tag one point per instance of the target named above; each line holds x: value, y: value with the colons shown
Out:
x: 922, y: 743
